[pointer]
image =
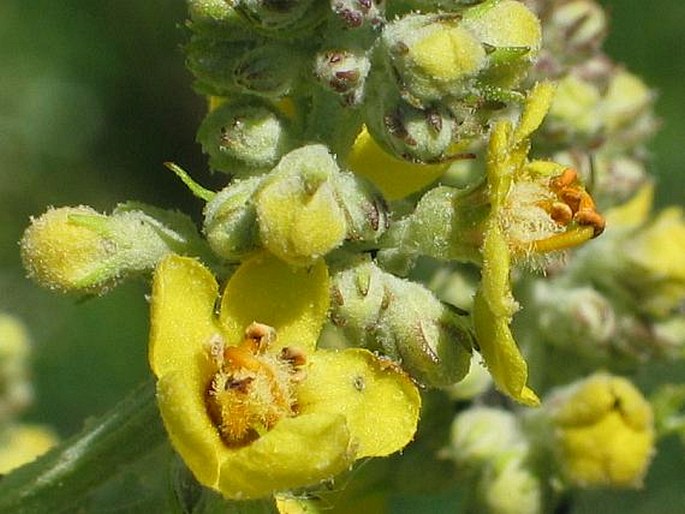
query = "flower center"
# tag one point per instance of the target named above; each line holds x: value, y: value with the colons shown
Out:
x: 252, y: 388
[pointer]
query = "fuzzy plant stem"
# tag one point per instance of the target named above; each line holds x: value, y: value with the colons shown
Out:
x: 58, y: 481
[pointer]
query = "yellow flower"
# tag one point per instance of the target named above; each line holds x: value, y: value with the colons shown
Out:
x: 536, y: 207
x: 247, y: 402
x: 396, y: 178
x: 604, y: 432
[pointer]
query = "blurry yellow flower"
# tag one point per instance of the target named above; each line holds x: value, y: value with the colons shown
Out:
x: 247, y: 401
x: 20, y: 444
x: 604, y: 432
x: 536, y: 207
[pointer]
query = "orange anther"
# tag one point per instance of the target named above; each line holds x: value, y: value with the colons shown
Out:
x: 567, y: 177
x: 591, y: 218
x: 561, y: 213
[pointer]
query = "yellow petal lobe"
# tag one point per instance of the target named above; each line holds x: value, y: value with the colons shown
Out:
x: 380, y: 402
x: 292, y: 300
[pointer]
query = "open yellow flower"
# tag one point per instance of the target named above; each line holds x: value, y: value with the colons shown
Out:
x: 536, y: 207
x: 247, y: 401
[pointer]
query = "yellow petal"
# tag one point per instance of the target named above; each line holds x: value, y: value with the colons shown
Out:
x: 292, y: 300
x: 635, y: 211
x: 181, y: 315
x: 537, y: 104
x: 493, y: 309
x: 181, y: 400
x: 298, y: 452
x: 395, y: 178
x: 380, y: 402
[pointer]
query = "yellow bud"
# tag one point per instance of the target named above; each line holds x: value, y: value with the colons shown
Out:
x: 60, y: 254
x: 604, y: 432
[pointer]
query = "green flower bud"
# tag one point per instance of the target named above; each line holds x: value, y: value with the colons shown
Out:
x: 577, y: 318
x: 211, y: 61
x: 230, y: 223
x: 365, y: 209
x: 288, y: 19
x: 447, y: 224
x: 479, y: 434
x: 404, y: 321
x: 343, y: 72
x: 356, y: 13
x: 507, y: 486
x: 573, y: 30
x: 77, y: 249
x: 476, y: 382
x: 431, y: 56
x: 217, y: 19
x: 410, y: 133
x: 300, y: 219
x: 268, y: 70
x: 15, y: 388
x: 244, y: 137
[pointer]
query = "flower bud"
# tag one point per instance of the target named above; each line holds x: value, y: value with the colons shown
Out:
x: 287, y: 19
x: 573, y: 31
x: 507, y: 486
x: 211, y: 61
x: 404, y: 321
x: 410, y: 133
x: 268, y: 70
x: 15, y: 387
x: 512, y: 36
x: 217, y: 19
x: 243, y: 137
x: 356, y: 13
x: 77, y: 249
x: 576, y: 318
x: 604, y: 433
x: 343, y: 72
x: 299, y: 217
x: 479, y: 434
x: 365, y: 209
x: 230, y: 223
x: 432, y: 56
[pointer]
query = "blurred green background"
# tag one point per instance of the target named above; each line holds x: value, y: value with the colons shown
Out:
x: 94, y: 97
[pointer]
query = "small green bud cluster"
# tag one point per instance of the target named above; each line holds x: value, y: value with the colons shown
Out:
x: 403, y: 320
x: 438, y: 79
x: 79, y: 250
x: 489, y: 446
x: 300, y: 210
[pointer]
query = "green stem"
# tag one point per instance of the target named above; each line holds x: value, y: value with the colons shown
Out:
x: 57, y: 481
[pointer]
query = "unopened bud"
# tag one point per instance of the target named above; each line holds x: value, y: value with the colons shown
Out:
x: 77, y: 249
x: 357, y: 13
x: 404, y: 321
x: 217, y: 19
x: 508, y: 486
x: 432, y: 56
x: 285, y: 18
x: 299, y: 217
x: 479, y: 434
x: 343, y: 72
x: 230, y: 223
x: 243, y: 137
x: 268, y: 70
x: 604, y: 433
